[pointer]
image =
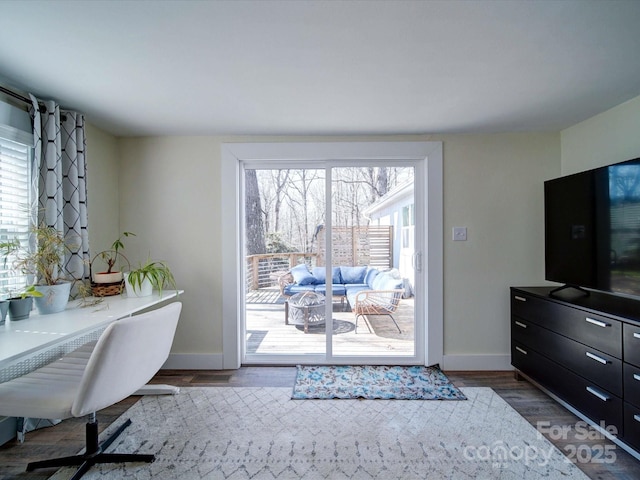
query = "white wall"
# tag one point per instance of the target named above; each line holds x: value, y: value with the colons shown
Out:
x: 102, y: 182
x: 493, y: 185
x: 168, y: 189
x: 169, y: 196
x: 610, y: 137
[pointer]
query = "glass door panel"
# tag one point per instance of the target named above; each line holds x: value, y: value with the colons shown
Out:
x: 372, y: 246
x: 284, y: 217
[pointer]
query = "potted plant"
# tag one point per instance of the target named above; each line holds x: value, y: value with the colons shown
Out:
x: 6, y: 247
x: 21, y: 304
x: 45, y: 264
x: 18, y: 304
x: 4, y: 308
x: 148, y: 276
x: 110, y: 257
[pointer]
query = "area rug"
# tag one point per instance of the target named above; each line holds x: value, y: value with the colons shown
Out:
x: 260, y: 433
x: 387, y: 382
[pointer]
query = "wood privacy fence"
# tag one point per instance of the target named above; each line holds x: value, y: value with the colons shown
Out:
x: 372, y: 245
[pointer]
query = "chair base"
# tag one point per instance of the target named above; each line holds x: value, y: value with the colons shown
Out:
x: 94, y: 453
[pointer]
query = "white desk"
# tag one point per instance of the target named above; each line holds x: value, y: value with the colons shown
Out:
x: 31, y: 343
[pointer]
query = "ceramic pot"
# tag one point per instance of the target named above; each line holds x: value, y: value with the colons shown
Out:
x: 54, y: 298
x: 4, y: 308
x: 103, y: 277
x: 20, y: 308
x: 143, y: 290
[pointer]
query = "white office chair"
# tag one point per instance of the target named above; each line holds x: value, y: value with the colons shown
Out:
x: 126, y: 356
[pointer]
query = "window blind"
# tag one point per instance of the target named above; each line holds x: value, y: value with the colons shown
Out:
x: 14, y: 208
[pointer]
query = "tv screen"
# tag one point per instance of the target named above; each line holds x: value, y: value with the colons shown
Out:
x: 592, y: 229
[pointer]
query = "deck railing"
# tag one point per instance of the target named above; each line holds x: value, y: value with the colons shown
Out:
x: 264, y: 269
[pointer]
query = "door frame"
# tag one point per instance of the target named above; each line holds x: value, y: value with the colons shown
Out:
x: 232, y: 154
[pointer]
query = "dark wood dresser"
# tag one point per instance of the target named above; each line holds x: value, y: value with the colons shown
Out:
x: 585, y: 351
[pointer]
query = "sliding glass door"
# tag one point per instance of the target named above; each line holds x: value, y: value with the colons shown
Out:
x: 331, y: 263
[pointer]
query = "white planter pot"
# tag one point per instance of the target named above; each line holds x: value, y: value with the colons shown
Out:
x: 113, y: 277
x: 54, y: 298
x: 143, y: 290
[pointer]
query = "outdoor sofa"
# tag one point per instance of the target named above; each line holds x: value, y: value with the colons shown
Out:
x: 367, y: 290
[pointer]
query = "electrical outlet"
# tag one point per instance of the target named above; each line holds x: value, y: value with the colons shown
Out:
x: 459, y: 234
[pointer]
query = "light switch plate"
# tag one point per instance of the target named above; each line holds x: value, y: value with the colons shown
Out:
x: 459, y: 234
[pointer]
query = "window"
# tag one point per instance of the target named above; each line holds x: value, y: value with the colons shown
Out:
x: 408, y: 226
x: 14, y: 207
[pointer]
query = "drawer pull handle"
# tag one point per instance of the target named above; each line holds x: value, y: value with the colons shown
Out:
x: 636, y: 334
x: 522, y: 350
x: 520, y: 324
x: 598, y: 323
x: 601, y: 396
x: 636, y: 377
x: 522, y: 299
x: 636, y: 418
x: 597, y: 358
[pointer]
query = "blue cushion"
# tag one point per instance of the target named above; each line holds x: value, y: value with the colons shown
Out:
x: 377, y: 282
x: 302, y: 275
x: 320, y: 275
x: 372, y: 273
x: 353, y: 274
x: 338, y: 289
x: 293, y: 289
x: 390, y: 283
x: 352, y: 291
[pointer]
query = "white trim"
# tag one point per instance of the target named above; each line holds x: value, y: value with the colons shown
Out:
x: 434, y: 262
x: 231, y: 308
x: 194, y: 361
x: 233, y: 153
x: 476, y: 363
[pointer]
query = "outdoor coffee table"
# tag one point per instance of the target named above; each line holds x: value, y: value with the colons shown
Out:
x: 304, y: 308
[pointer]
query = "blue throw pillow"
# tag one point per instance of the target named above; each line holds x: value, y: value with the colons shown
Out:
x: 302, y: 275
x: 320, y: 274
x: 353, y: 274
x: 372, y: 273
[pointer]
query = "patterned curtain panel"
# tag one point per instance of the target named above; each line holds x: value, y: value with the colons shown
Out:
x: 59, y: 159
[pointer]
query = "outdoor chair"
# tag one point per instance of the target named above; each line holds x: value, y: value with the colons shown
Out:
x: 127, y: 355
x: 377, y: 302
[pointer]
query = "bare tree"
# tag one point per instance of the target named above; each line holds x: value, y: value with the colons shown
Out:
x: 280, y: 180
x: 294, y: 203
x: 254, y: 223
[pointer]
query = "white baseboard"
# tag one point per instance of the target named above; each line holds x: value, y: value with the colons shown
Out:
x: 194, y: 361
x: 189, y: 361
x: 476, y: 362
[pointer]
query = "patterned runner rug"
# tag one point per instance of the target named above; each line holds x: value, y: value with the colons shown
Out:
x: 400, y: 383
x: 261, y: 433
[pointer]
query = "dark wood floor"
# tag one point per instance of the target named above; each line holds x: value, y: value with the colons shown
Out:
x: 67, y: 437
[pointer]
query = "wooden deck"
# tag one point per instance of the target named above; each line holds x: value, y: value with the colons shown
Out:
x: 377, y: 336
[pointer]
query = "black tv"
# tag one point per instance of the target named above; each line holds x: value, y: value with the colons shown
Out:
x: 592, y: 229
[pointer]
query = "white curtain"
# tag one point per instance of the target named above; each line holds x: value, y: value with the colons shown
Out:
x: 59, y: 160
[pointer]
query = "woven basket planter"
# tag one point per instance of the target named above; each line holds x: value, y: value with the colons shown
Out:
x: 106, y: 289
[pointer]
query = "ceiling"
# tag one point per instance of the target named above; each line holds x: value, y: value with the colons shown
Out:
x: 324, y: 67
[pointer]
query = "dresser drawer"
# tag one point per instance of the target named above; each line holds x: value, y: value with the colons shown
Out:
x: 597, y: 331
x: 631, y: 380
x: 529, y: 333
x: 598, y: 367
x: 631, y: 344
x: 537, y: 366
x: 593, y: 401
x: 631, y: 433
